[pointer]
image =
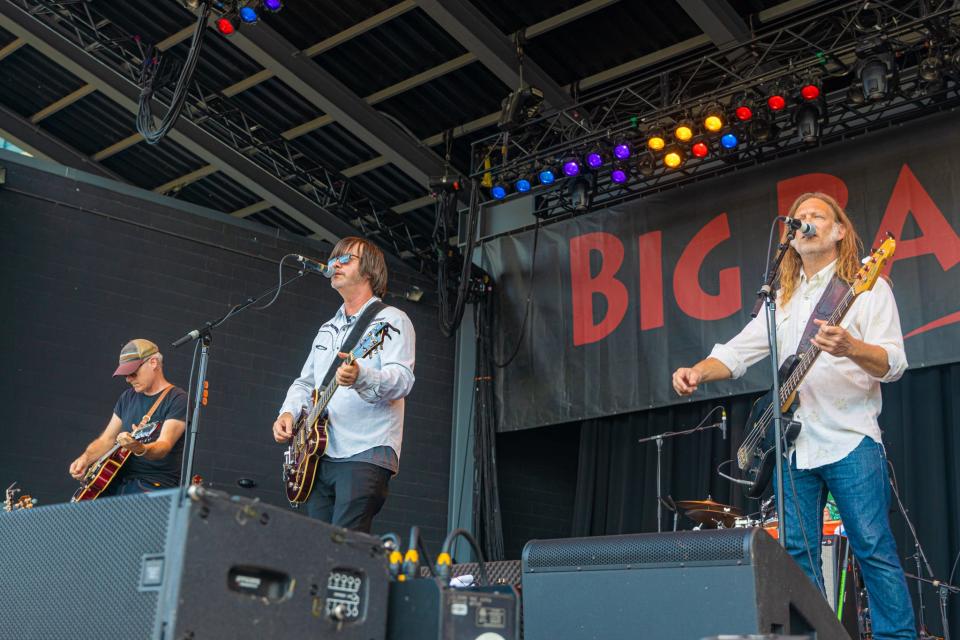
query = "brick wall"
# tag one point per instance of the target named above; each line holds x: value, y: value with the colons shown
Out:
x: 85, y: 268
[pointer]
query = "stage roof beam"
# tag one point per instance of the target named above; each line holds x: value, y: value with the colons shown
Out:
x: 495, y: 50
x: 185, y: 133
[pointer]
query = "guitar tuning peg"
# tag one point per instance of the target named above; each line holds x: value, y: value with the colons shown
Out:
x: 865, y: 260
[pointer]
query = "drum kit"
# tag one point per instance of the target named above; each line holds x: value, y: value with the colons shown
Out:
x: 708, y: 514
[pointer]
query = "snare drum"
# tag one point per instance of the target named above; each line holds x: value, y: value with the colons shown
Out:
x: 830, y: 527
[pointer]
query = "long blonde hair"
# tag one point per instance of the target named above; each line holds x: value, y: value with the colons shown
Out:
x: 849, y: 248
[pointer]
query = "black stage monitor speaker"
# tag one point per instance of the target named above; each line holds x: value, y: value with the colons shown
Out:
x: 684, y: 585
x: 140, y: 567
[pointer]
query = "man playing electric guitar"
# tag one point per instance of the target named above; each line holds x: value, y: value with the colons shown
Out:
x: 839, y: 446
x: 366, y: 411
x: 153, y: 464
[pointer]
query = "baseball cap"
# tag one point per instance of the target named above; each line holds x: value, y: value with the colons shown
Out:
x: 133, y: 354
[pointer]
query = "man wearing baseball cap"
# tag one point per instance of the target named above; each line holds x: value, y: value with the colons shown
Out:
x: 152, y: 405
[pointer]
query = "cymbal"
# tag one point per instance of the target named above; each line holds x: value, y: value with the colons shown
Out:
x: 708, y: 504
x: 711, y: 518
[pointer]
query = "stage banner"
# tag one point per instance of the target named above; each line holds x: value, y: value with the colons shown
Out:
x: 623, y: 296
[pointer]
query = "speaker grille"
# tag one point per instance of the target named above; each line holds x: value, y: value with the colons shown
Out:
x: 73, y: 570
x: 638, y: 549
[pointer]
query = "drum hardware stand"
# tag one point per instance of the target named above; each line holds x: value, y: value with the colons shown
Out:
x: 943, y: 589
x: 659, y: 438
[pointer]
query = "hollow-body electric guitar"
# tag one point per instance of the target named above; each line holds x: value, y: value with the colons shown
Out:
x: 756, y: 455
x: 309, y: 440
x: 101, y: 473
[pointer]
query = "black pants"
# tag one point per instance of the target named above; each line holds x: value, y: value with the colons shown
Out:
x: 348, y: 494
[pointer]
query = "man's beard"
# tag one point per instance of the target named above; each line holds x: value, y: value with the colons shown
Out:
x: 805, y: 249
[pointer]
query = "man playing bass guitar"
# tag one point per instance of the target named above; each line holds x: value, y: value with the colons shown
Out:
x: 365, y: 413
x: 839, y: 447
x: 153, y: 405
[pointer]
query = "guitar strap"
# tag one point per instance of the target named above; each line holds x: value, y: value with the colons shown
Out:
x: 827, y: 304
x: 149, y: 414
x: 363, y: 322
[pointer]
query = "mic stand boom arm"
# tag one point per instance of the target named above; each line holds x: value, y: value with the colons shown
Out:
x: 205, y: 336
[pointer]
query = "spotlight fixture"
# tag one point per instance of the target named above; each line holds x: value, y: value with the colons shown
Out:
x: 699, y: 148
x: 498, y: 191
x: 673, y: 157
x: 743, y: 112
x: 225, y: 26
x: 809, y: 118
x: 546, y: 175
x: 810, y: 91
x: 713, y: 118
x: 646, y: 164
x: 594, y: 158
x: 621, y: 149
x: 579, y: 190
x: 930, y: 69
x: 273, y: 5
x: 776, y: 101
x: 683, y: 130
x: 876, y: 71
x: 729, y: 140
x: 762, y: 128
x: 571, y: 167
x: 522, y: 185
x: 249, y: 15
x: 619, y: 173
x: 655, y: 139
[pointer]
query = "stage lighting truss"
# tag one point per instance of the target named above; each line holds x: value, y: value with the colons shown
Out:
x: 231, y: 14
x: 81, y: 24
x: 845, y: 80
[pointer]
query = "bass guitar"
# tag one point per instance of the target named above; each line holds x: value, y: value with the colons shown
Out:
x: 101, y: 473
x: 756, y: 456
x: 309, y: 440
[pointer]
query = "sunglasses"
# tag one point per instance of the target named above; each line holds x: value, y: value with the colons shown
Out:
x: 344, y: 259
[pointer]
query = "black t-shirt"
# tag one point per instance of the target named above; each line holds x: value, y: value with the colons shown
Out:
x: 131, y: 407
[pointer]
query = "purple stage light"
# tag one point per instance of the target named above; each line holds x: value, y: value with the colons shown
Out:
x: 622, y: 151
x: 571, y: 168
x: 594, y: 160
x: 618, y: 175
x: 273, y: 5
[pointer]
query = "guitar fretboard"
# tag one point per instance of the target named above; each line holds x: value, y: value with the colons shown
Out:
x: 808, y: 357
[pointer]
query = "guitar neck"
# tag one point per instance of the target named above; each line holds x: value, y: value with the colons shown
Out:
x: 792, y: 383
x: 324, y: 398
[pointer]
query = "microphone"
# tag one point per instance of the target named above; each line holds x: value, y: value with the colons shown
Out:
x: 193, y: 335
x: 807, y: 229
x: 326, y: 270
x: 723, y: 422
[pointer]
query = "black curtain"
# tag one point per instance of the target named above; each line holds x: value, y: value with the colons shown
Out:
x: 616, y: 477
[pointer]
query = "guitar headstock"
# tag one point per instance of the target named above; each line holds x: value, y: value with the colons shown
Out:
x: 873, y: 265
x: 379, y: 332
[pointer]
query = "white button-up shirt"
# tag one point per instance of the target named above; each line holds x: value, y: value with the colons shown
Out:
x: 370, y: 413
x: 839, y: 401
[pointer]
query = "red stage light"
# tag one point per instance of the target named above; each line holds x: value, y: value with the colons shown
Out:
x: 225, y: 26
x: 743, y: 113
x: 700, y: 149
x: 810, y: 92
x: 776, y: 102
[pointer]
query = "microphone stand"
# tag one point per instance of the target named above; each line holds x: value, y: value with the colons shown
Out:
x: 943, y: 589
x: 767, y: 297
x: 659, y: 438
x: 205, y: 335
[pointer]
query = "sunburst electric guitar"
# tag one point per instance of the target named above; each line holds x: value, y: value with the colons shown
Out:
x: 101, y: 473
x: 309, y: 439
x: 756, y: 456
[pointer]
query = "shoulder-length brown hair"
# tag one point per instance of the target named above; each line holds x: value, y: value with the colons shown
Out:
x: 849, y: 248
x: 373, y: 266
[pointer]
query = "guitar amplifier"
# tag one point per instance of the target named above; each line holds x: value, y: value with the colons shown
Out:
x: 147, y: 566
x: 426, y: 609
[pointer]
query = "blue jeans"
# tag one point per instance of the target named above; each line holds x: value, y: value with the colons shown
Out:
x: 859, y: 483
